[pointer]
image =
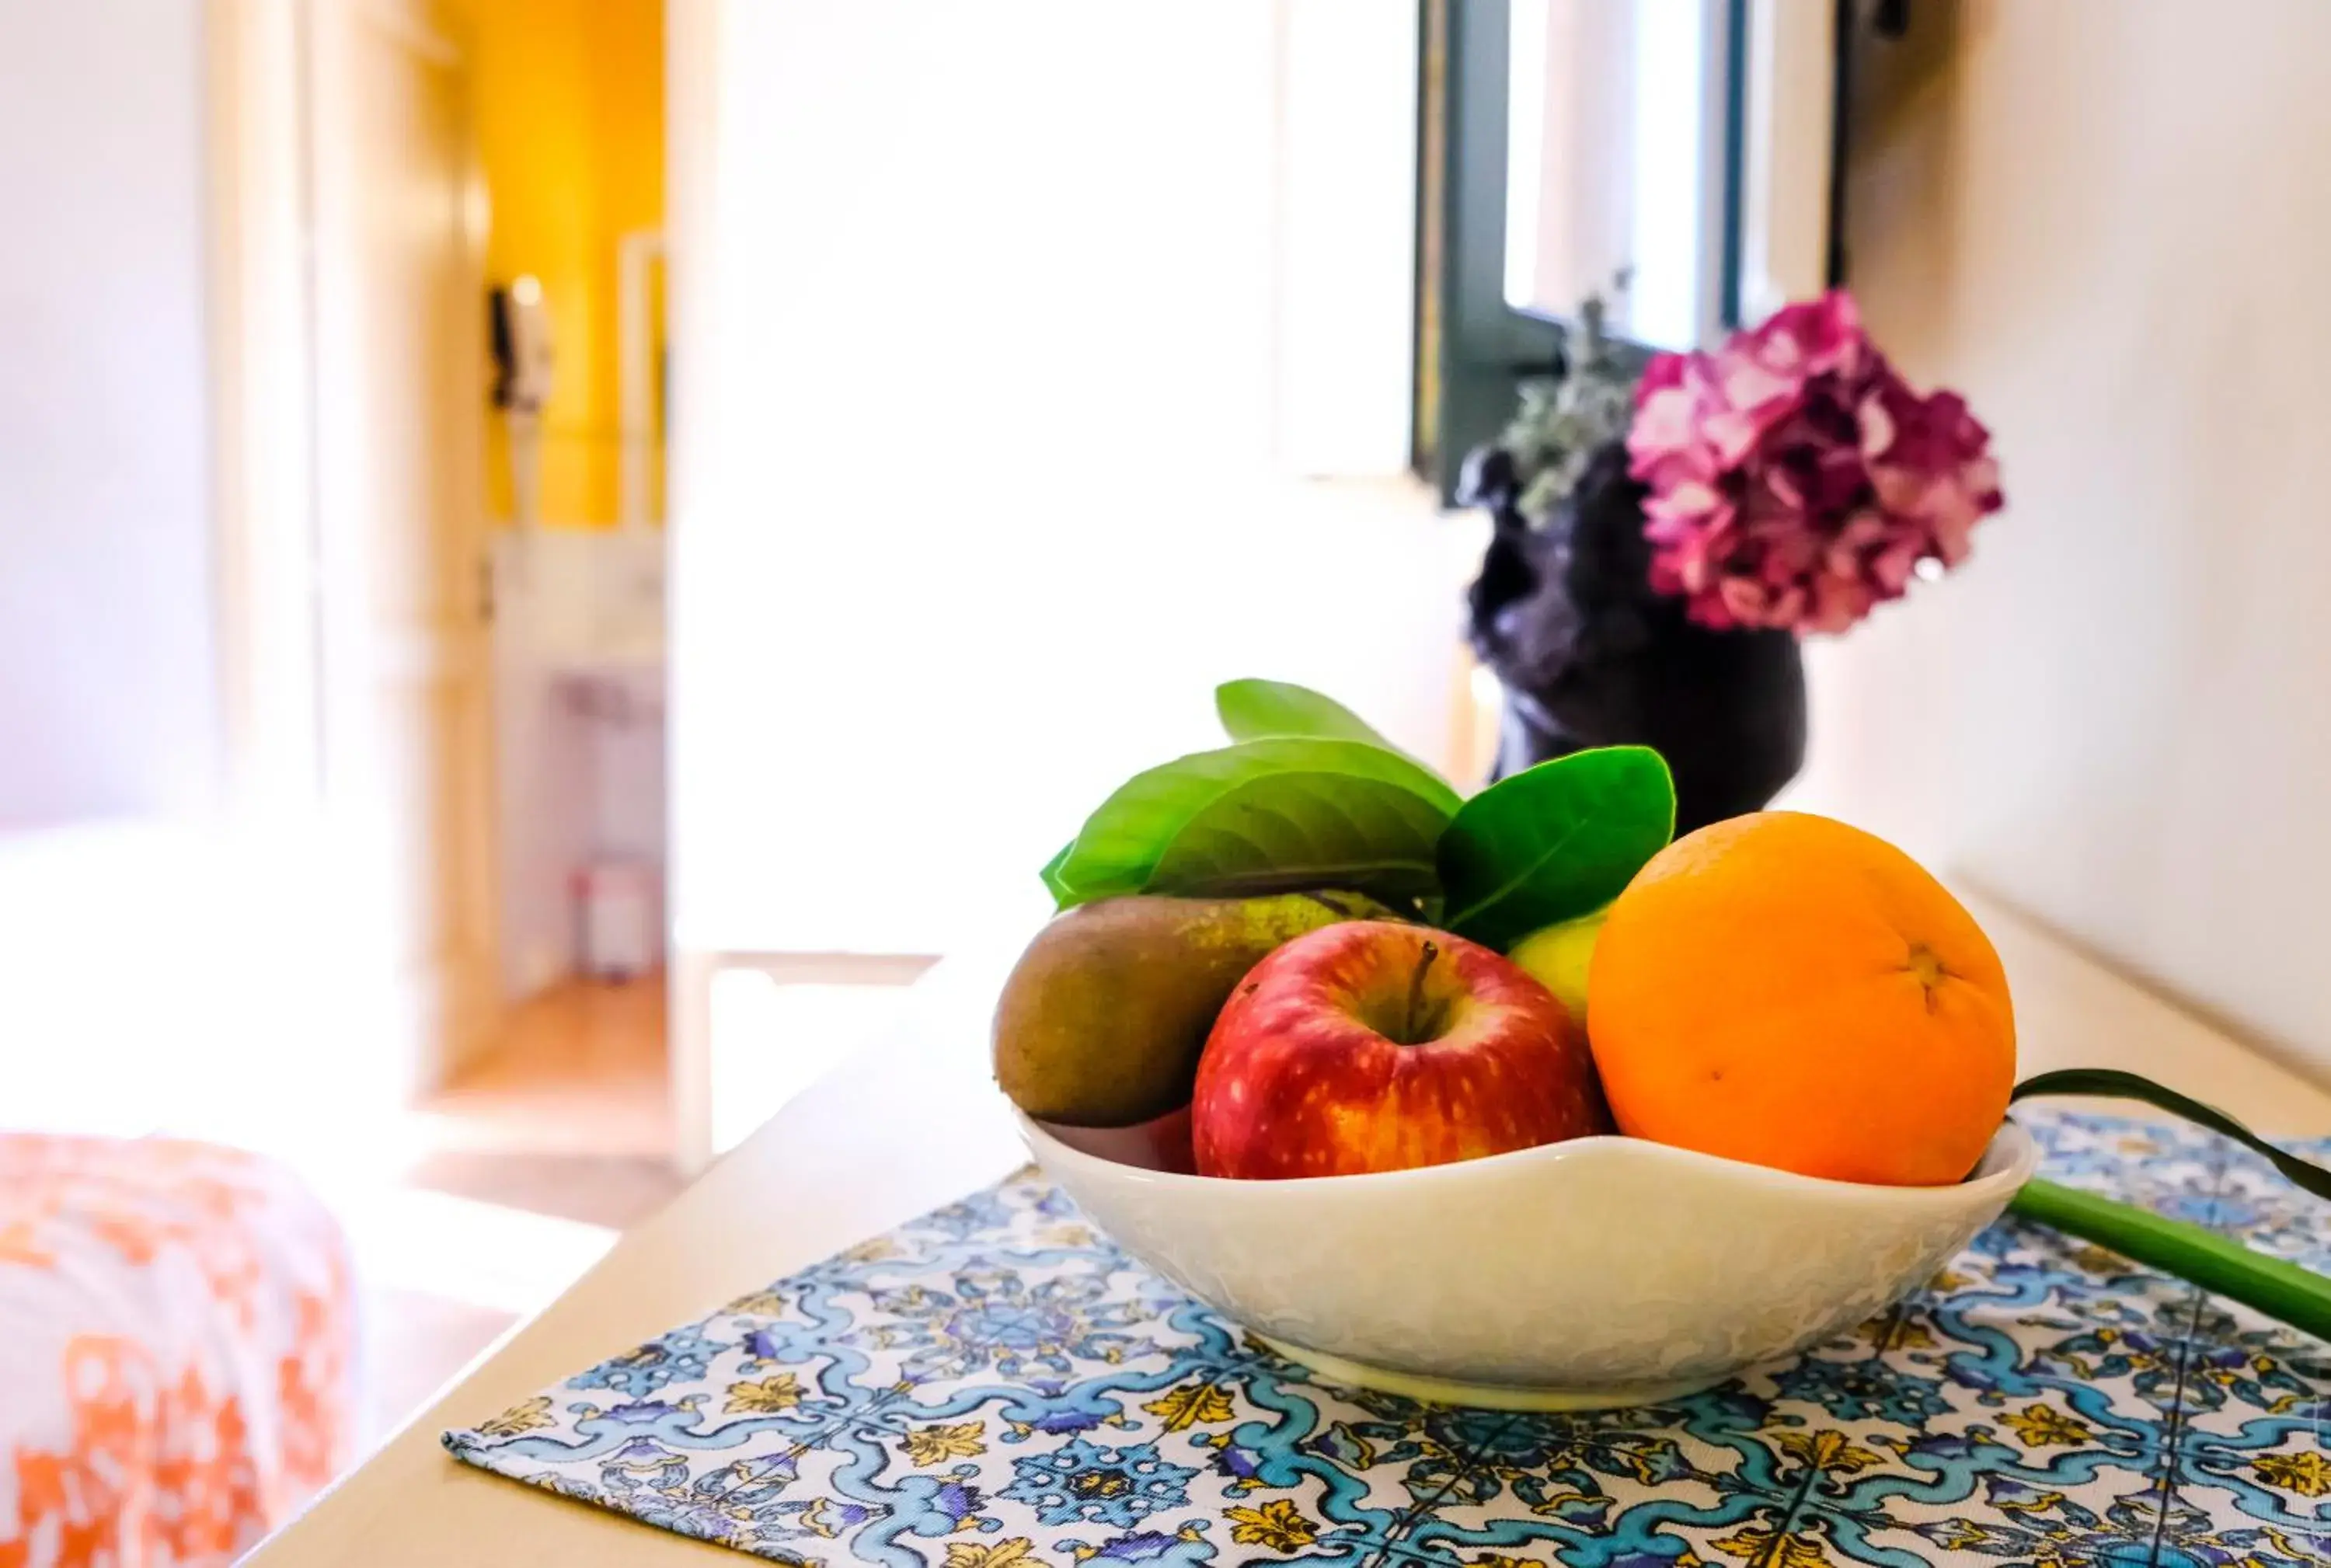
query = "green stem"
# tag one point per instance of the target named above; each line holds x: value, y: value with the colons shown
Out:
x: 1416, y: 991
x: 2114, y: 1084
x: 2225, y: 1268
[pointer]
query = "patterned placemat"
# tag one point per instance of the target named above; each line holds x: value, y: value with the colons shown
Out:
x: 994, y: 1385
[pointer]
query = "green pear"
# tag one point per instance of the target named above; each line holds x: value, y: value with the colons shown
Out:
x: 1557, y: 957
x: 1103, y: 1019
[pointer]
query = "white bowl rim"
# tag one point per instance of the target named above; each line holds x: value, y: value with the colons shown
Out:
x: 2008, y: 1161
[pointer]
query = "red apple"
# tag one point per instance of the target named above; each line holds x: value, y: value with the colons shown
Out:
x: 1374, y: 1046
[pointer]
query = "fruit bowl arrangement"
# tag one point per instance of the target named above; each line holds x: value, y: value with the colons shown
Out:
x: 1507, y: 1100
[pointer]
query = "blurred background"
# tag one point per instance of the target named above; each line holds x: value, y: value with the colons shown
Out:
x: 557, y: 555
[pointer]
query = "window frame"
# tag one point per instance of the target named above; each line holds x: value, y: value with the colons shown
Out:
x: 1473, y: 348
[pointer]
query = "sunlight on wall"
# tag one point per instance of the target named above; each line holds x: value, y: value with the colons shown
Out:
x: 772, y: 1040
x: 569, y: 112
x: 460, y: 1249
x: 107, y: 630
x: 983, y: 476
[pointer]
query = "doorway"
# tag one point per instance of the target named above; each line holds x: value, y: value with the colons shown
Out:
x: 441, y: 355
x: 403, y: 623
x: 444, y: 612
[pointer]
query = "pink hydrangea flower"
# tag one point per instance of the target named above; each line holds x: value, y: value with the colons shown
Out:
x: 1796, y: 481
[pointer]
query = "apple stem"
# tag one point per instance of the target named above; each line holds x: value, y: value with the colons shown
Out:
x: 1416, y: 991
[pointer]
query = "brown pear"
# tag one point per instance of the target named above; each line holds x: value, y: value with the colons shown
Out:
x: 1102, y: 1021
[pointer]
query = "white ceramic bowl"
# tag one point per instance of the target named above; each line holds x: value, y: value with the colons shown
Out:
x: 1602, y: 1271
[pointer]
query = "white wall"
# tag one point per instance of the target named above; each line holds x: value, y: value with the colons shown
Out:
x: 982, y: 319
x: 160, y: 972
x: 2107, y: 224
x: 108, y: 683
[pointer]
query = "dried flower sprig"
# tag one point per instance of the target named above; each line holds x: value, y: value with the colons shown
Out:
x: 1565, y: 419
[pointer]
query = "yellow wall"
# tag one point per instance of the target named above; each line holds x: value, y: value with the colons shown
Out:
x: 569, y: 108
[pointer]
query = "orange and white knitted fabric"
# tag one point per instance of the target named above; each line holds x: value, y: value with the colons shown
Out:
x: 177, y: 1352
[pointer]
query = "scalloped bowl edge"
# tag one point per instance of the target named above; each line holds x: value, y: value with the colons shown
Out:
x: 1592, y: 1272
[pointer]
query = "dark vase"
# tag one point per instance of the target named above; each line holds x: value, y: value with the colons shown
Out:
x: 1589, y: 655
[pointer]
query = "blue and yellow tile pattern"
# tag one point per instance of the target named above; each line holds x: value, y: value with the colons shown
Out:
x: 994, y: 1386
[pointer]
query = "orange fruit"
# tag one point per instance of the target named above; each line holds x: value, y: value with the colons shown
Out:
x: 1787, y: 990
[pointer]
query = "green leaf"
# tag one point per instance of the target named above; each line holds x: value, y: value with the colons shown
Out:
x: 2111, y: 1083
x: 1553, y: 841
x: 1261, y: 812
x: 1276, y: 710
x: 2218, y: 1265
x: 1253, y: 710
x: 1287, y: 831
x: 1051, y: 874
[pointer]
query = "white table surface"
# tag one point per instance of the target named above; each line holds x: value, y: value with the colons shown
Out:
x: 908, y: 1127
